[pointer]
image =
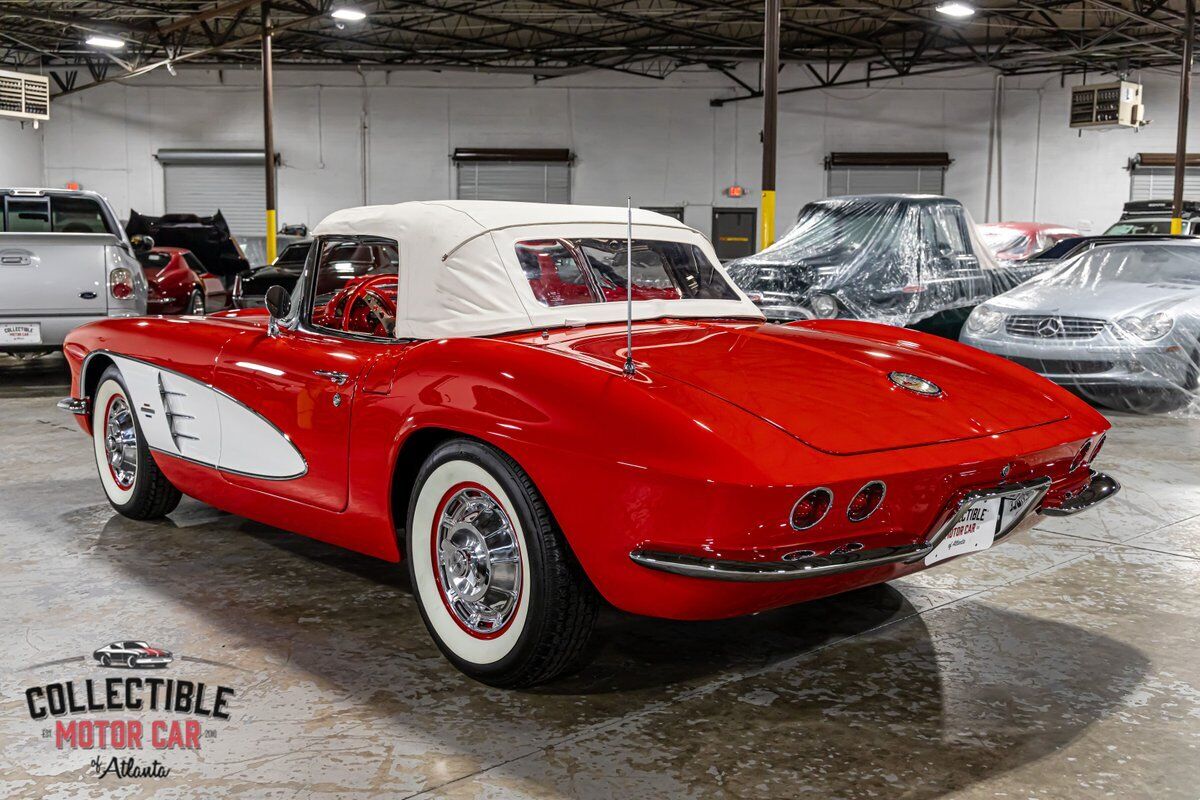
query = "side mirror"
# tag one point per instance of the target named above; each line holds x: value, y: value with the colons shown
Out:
x: 142, y: 244
x: 278, y: 303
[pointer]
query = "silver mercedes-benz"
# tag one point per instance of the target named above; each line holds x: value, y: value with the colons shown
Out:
x: 1122, y: 318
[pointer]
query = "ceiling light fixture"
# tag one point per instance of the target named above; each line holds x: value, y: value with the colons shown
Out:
x: 954, y: 8
x: 107, y: 42
x: 348, y: 14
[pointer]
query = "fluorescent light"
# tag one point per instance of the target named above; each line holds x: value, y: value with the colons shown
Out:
x: 956, y: 9
x: 107, y: 42
x: 348, y: 14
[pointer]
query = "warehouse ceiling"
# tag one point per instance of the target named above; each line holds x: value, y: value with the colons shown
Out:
x: 644, y: 37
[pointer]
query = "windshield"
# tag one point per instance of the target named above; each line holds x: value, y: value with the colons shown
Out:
x: 1158, y: 263
x: 152, y: 260
x: 1139, y: 227
x: 575, y: 271
x: 294, y: 255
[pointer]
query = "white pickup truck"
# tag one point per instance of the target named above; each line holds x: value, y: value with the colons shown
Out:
x: 64, y: 261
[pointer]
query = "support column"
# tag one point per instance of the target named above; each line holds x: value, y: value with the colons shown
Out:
x: 1185, y: 90
x: 770, y: 83
x: 268, y: 93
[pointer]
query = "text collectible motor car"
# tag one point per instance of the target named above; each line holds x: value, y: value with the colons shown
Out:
x: 452, y: 383
x: 1120, y: 323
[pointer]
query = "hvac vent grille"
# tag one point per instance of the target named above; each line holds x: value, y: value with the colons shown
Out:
x: 24, y: 96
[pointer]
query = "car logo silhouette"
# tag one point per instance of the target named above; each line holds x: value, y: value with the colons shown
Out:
x: 132, y: 654
x: 1050, y: 327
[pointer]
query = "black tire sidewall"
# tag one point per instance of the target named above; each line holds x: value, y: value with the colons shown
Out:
x: 488, y: 459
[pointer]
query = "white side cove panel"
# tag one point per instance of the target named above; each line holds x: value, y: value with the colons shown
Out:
x: 184, y: 417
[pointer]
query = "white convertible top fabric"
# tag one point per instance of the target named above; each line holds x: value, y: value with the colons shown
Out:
x: 459, y: 273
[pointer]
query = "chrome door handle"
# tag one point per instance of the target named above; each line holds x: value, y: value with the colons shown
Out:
x: 337, y: 377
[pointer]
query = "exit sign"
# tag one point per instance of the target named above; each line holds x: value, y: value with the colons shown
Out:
x: 735, y: 191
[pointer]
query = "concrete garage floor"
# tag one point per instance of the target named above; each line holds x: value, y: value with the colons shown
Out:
x: 1063, y: 664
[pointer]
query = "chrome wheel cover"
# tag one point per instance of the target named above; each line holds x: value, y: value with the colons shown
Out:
x: 197, y: 308
x: 120, y: 442
x: 478, y: 561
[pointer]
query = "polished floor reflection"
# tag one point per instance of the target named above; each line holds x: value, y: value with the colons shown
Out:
x: 1063, y: 664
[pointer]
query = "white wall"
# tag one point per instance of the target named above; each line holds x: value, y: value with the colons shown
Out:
x: 657, y: 140
x: 20, y: 154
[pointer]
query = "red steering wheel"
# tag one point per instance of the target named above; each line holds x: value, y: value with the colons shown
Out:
x: 367, y: 306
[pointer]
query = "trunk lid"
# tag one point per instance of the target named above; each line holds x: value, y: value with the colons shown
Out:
x: 830, y: 388
x: 51, y: 273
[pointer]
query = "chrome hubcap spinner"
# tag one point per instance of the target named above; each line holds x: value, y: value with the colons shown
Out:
x: 478, y: 561
x: 120, y: 442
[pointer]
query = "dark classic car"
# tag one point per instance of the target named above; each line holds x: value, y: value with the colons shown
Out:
x: 909, y: 260
x: 250, y: 286
x: 207, y: 237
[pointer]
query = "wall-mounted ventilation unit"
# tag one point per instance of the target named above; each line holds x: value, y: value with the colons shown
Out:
x: 1107, y: 105
x: 24, y: 96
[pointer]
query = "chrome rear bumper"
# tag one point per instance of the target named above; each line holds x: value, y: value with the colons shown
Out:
x: 1099, y: 489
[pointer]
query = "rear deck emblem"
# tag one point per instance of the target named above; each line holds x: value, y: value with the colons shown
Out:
x: 915, y: 384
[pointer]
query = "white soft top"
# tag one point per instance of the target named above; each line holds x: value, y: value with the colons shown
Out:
x: 459, y: 273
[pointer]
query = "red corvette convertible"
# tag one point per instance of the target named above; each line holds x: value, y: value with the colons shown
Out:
x: 452, y: 385
x: 177, y: 283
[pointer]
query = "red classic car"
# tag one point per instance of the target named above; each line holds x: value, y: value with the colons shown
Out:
x: 452, y: 384
x: 177, y: 283
x: 1019, y: 241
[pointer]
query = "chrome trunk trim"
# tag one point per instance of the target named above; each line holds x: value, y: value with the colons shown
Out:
x: 766, y: 571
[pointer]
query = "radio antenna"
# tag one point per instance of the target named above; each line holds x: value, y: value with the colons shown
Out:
x: 630, y: 369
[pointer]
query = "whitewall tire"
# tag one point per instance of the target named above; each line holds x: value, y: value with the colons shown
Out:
x: 132, y: 481
x: 497, y: 587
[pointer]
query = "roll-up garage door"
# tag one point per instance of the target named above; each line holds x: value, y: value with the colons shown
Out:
x: 1152, y: 176
x: 537, y: 176
x: 885, y: 173
x: 204, y: 181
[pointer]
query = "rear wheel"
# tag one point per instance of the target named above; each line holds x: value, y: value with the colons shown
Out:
x: 135, y: 486
x: 196, y: 304
x: 499, y: 591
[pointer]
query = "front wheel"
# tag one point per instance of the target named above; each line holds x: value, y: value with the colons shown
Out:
x: 498, y: 589
x: 135, y: 486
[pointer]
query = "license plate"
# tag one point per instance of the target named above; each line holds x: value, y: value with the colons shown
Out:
x: 974, y: 532
x: 21, y: 333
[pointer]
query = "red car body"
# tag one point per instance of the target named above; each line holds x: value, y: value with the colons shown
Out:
x: 174, y: 278
x: 1018, y: 241
x: 685, y: 475
x: 695, y: 455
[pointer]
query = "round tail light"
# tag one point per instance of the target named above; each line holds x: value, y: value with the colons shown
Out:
x: 866, y: 502
x: 1081, y: 456
x: 811, y: 508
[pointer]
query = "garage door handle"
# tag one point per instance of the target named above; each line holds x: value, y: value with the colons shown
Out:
x: 336, y: 377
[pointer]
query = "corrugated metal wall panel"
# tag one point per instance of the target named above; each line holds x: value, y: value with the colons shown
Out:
x: 237, y: 191
x: 530, y: 182
x: 1158, y: 183
x: 885, y: 180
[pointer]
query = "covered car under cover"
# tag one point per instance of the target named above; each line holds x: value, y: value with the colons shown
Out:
x: 1119, y: 324
x: 897, y: 259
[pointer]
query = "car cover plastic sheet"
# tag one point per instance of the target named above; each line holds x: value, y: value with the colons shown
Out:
x: 1119, y: 325
x: 893, y: 259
